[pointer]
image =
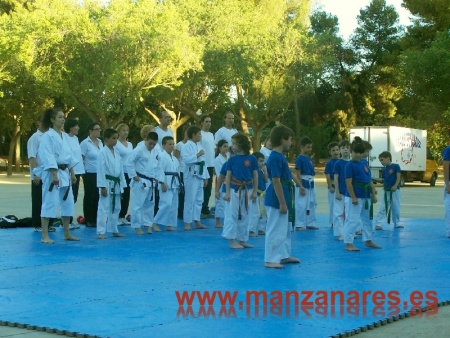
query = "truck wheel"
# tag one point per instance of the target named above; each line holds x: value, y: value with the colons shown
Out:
x: 433, y: 180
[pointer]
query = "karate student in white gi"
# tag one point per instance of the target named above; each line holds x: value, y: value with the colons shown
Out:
x: 195, y: 178
x: 110, y: 182
x: 144, y: 168
x: 168, y: 187
x: 57, y: 174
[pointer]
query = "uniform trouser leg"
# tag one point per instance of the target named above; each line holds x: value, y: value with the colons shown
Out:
x: 338, y: 211
x: 107, y: 217
x: 311, y: 218
x: 207, y: 192
x: 300, y: 209
x: 381, y: 216
x: 91, y: 196
x: 36, y: 203
x: 141, y: 206
x: 254, y: 215
x: 220, y: 206
x: 356, y: 215
x: 193, y: 198
x: 331, y: 199
x: 447, y: 212
x: 235, y: 228
x: 125, y: 201
x: 395, y: 207
x: 168, y: 205
x: 278, y: 236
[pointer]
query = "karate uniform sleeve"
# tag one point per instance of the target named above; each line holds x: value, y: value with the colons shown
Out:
x: 189, y: 154
x: 160, y: 168
x: 131, y: 162
x: 46, y: 153
x: 101, y: 170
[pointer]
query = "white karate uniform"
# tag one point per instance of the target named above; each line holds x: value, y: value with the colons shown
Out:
x: 55, y: 150
x: 109, y: 205
x: 219, y: 161
x: 168, y: 200
x: 356, y: 214
x: 338, y: 216
x: 278, y: 236
x: 144, y: 162
x: 233, y: 227
x: 304, y: 203
x: 258, y: 215
x: 193, y: 181
x: 381, y: 218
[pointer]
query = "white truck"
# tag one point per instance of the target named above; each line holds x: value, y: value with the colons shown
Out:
x: 408, y: 148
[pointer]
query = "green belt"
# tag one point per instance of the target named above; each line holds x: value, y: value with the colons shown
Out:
x: 116, y: 181
x: 201, y: 164
x: 291, y: 205
x: 366, y: 187
x: 388, y: 210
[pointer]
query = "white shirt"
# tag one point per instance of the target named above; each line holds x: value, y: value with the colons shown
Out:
x: 162, y: 133
x: 266, y: 152
x: 209, y: 145
x: 76, y: 150
x: 90, y: 153
x: 124, y: 153
x: 224, y: 134
x: 32, y: 149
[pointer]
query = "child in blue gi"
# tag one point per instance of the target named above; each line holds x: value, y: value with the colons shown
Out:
x: 219, y: 161
x: 340, y: 187
x: 258, y: 215
x: 360, y: 190
x: 278, y: 201
x: 333, y: 149
x: 241, y: 185
x: 305, y: 201
x: 390, y: 201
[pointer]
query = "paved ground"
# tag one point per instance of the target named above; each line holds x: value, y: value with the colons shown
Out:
x: 69, y: 285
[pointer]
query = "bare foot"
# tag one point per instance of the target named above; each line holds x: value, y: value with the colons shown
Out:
x: 371, y: 244
x: 47, y: 240
x: 118, y: 234
x: 340, y: 238
x: 199, y: 225
x: 139, y: 231
x: 246, y: 245
x: 187, y: 227
x: 219, y: 226
x: 252, y: 234
x: 274, y: 265
x: 261, y: 232
x: 148, y: 229
x: 170, y: 228
x: 290, y: 260
x: 300, y: 228
x: 235, y: 245
x: 312, y: 227
x: 101, y: 236
x: 351, y: 247
x: 378, y: 227
x: 358, y: 233
x: 71, y: 237
x: 156, y: 227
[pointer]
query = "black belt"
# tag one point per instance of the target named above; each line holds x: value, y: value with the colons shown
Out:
x: 175, y: 176
x: 63, y: 166
x: 152, y: 181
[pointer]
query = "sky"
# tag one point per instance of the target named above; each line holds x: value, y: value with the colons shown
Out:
x: 347, y: 10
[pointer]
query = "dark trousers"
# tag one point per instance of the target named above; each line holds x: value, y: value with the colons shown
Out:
x: 181, y: 199
x: 207, y: 192
x: 75, y: 188
x: 125, y: 198
x: 36, y: 203
x: 91, y: 195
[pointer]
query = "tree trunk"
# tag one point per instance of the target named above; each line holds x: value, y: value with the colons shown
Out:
x: 256, y: 138
x: 243, y: 117
x: 297, y: 117
x: 12, y: 147
x: 18, y: 159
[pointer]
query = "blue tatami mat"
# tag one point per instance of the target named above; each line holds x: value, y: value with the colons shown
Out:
x: 126, y: 287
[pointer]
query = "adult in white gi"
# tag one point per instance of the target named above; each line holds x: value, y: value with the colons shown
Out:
x: 143, y: 167
x: 168, y: 187
x: 195, y: 178
x: 110, y: 182
x: 57, y: 174
x: 163, y: 129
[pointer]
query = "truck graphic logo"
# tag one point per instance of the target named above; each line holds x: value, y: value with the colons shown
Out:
x: 408, y: 141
